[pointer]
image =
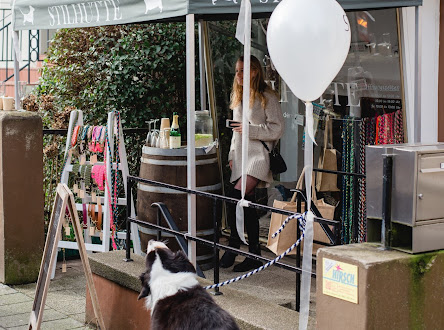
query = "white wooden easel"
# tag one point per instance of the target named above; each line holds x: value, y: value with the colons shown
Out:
x: 123, y: 166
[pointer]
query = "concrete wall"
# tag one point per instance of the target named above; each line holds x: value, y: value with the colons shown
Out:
x: 119, y: 305
x: 396, y: 290
x: 21, y: 197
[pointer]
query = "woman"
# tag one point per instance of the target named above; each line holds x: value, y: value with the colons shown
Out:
x: 266, y: 124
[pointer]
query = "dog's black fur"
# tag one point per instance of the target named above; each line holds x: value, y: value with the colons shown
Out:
x: 190, y: 307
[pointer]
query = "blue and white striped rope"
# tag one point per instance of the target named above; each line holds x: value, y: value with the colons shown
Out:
x: 301, y: 218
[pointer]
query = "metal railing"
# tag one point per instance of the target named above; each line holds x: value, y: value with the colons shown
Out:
x: 29, y: 39
x: 325, y: 223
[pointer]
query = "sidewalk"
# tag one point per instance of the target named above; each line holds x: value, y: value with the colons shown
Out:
x: 65, y: 302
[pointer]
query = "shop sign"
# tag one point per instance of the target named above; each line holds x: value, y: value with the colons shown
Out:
x: 85, y: 12
x: 340, y: 280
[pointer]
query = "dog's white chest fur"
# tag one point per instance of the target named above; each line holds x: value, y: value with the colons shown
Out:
x: 164, y: 283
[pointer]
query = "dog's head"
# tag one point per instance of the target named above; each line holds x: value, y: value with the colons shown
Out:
x: 161, y: 260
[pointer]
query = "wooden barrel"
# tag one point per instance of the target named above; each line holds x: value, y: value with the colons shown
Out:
x: 170, y: 166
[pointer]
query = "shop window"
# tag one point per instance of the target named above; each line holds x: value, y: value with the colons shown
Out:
x: 368, y: 87
x: 364, y: 102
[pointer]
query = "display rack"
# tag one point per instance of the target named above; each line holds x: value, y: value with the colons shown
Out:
x: 113, y: 127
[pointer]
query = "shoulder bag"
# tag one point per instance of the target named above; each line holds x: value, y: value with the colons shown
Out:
x: 277, y: 163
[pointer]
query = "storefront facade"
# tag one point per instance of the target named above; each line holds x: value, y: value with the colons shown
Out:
x: 379, y: 77
x: 441, y: 76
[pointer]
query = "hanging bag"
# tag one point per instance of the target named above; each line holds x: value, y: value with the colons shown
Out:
x: 327, y: 161
x: 277, y: 163
x: 287, y: 237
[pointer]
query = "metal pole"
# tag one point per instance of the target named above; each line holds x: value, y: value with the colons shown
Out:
x: 159, y: 233
x: 191, y: 151
x: 129, y: 184
x: 387, y: 201
x: 203, y: 89
x: 355, y: 196
x: 417, y: 75
x: 15, y: 49
x: 212, y: 105
x: 215, y: 249
x: 298, y: 257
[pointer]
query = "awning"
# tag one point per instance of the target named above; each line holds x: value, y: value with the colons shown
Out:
x: 55, y: 14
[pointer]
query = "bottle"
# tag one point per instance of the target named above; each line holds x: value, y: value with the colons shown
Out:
x: 175, y: 132
x: 203, y: 129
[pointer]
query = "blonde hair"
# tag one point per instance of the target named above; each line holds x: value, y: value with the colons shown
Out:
x: 258, y: 86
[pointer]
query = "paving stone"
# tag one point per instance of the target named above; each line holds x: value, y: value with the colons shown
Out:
x: 27, y: 289
x: 51, y: 314
x: 14, y: 320
x: 79, y: 317
x: 66, y: 323
x: 13, y: 298
x: 6, y: 310
x: 22, y: 327
x: 67, y: 301
x: 77, y: 284
x: 4, y: 290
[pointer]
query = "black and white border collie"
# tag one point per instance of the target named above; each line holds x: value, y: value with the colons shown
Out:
x: 175, y: 297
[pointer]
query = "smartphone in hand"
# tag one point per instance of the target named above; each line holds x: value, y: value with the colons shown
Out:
x: 230, y: 123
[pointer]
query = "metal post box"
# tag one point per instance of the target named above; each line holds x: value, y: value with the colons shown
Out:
x: 417, y: 195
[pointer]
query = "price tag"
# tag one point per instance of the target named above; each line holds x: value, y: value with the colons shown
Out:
x: 101, y: 235
x: 82, y: 193
x: 99, y: 200
x: 92, y: 231
x: 67, y: 230
x: 82, y: 160
x: 64, y: 267
x: 93, y: 159
x: 75, y: 189
x: 93, y: 197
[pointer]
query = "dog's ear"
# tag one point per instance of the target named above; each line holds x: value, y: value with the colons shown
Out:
x: 182, y: 259
x: 145, y: 292
x: 150, y: 258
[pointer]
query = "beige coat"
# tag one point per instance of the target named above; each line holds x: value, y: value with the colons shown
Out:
x: 266, y: 125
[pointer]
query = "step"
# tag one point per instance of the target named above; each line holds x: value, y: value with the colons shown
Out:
x: 113, y: 274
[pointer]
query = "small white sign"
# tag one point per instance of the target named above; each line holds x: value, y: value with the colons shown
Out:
x: 300, y: 120
x: 442, y: 165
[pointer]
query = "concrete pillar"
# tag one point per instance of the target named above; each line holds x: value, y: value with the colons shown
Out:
x: 395, y: 290
x: 21, y: 197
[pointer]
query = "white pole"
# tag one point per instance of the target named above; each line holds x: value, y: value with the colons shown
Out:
x: 417, y: 75
x: 191, y: 152
x: 15, y: 50
x: 203, y: 91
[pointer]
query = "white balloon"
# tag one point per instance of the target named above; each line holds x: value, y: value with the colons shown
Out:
x: 308, y: 41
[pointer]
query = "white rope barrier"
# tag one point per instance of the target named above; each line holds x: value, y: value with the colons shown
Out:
x: 302, y: 219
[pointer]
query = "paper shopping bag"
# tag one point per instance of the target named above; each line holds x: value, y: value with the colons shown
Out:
x: 327, y: 161
x: 288, y: 236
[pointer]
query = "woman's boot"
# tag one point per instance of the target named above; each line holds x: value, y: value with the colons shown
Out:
x: 227, y: 259
x: 252, y: 226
